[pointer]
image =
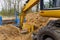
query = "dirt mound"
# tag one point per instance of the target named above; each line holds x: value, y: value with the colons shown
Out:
x: 9, y: 32
x: 36, y: 19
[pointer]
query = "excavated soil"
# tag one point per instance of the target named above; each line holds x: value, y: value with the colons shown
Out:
x: 35, y: 19
x: 10, y: 32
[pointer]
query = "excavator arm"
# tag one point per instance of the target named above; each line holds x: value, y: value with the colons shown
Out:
x: 29, y: 5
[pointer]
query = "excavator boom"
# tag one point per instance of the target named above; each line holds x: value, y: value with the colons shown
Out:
x: 30, y: 4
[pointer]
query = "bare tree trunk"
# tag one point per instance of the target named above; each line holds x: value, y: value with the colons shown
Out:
x: 5, y: 6
x: 37, y: 7
x: 2, y: 6
x: 18, y: 1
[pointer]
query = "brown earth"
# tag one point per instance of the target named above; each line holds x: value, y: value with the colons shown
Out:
x: 10, y: 32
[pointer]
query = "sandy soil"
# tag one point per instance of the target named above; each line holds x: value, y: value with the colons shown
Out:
x: 10, y: 32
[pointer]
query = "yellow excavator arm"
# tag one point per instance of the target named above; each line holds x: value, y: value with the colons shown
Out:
x: 29, y: 5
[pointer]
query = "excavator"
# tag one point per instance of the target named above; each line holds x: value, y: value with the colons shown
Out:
x: 30, y: 3
x: 48, y: 8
